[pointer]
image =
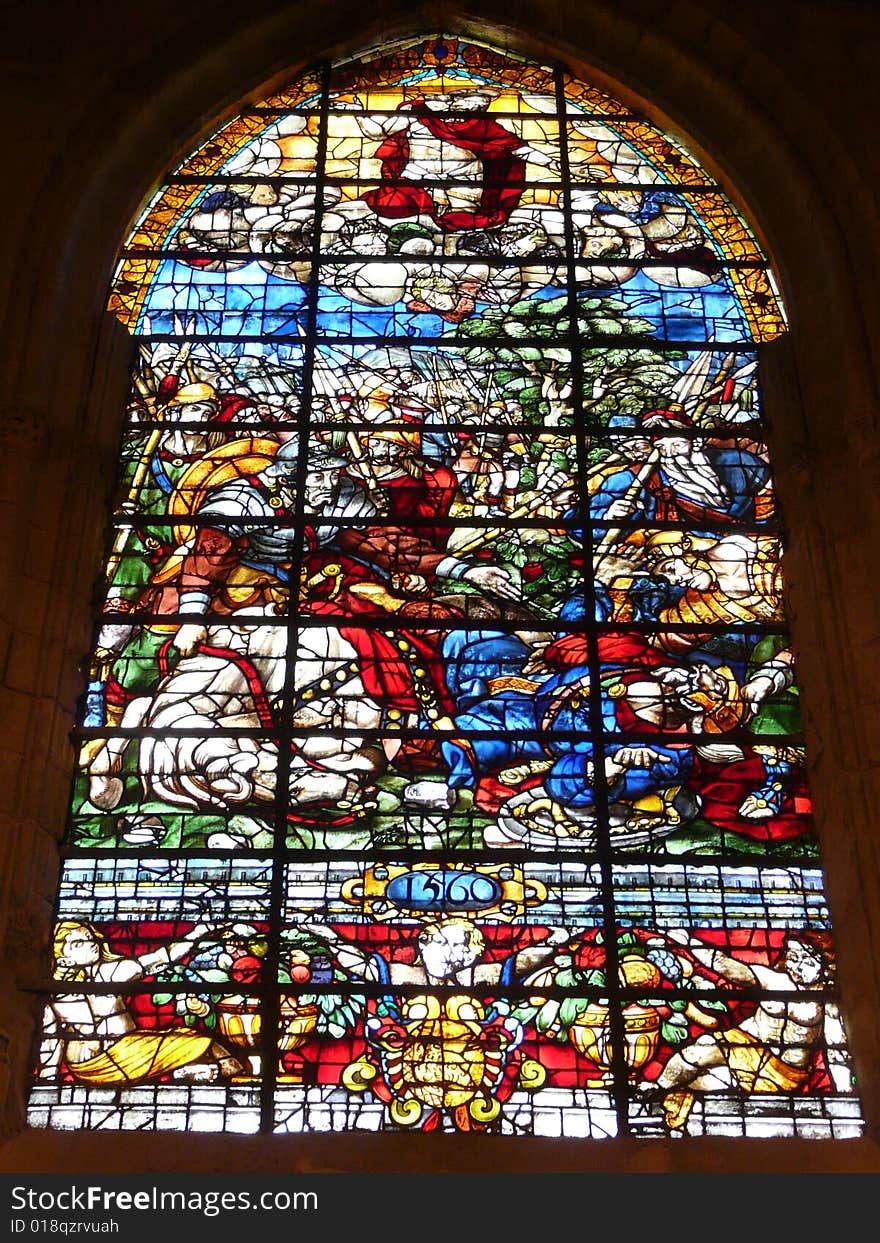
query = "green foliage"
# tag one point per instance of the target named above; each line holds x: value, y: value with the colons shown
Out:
x: 554, y: 561
x: 628, y: 380
x: 674, y: 1030
x: 337, y: 1015
x: 302, y: 939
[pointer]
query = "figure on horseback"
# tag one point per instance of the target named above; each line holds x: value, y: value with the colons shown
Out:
x: 225, y: 670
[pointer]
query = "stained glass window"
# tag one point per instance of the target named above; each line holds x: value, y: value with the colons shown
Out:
x: 440, y: 764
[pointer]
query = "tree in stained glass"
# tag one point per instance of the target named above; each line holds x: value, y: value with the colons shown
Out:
x: 440, y: 764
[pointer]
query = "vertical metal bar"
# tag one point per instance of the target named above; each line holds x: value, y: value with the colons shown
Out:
x: 271, y: 1002
x: 584, y: 429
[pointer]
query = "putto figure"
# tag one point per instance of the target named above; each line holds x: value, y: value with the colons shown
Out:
x: 775, y: 1049
x: 94, y: 1037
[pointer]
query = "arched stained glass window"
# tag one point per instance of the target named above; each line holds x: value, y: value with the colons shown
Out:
x: 440, y: 764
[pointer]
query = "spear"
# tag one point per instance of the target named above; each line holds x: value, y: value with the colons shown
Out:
x: 691, y: 389
x: 691, y: 383
x: 365, y: 466
x: 149, y: 375
x: 724, y: 382
x: 489, y: 534
x: 221, y: 364
x: 441, y: 400
x: 490, y: 376
x: 143, y: 464
x: 610, y: 538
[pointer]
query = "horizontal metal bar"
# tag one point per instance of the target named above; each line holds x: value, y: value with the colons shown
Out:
x: 390, y: 856
x: 258, y: 110
x: 288, y: 732
x: 564, y: 525
x: 369, y: 989
x: 328, y: 259
x: 309, y: 180
x: 613, y: 436
x: 269, y: 425
x: 390, y: 623
x: 456, y: 342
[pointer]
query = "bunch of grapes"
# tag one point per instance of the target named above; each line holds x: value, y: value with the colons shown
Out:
x: 667, y: 963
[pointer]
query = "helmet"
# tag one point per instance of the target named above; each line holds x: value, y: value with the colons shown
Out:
x: 410, y: 440
x: 185, y: 394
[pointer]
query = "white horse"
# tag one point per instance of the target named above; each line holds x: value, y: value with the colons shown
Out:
x: 233, y: 681
x: 329, y: 694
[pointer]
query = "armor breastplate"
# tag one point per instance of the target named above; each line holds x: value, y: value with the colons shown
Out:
x: 273, y: 544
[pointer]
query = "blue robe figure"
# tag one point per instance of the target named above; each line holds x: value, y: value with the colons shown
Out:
x: 484, y: 676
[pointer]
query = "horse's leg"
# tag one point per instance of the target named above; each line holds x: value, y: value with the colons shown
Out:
x: 105, y: 788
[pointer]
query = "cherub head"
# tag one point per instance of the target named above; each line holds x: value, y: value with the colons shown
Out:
x: 447, y: 946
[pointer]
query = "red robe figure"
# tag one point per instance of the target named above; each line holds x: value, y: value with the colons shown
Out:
x: 469, y: 148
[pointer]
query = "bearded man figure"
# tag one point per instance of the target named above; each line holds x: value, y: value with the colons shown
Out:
x: 682, y: 479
